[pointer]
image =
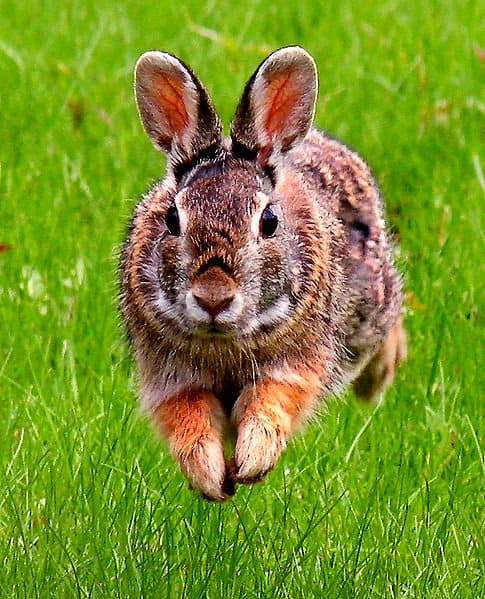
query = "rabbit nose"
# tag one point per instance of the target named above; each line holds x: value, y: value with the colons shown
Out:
x: 214, y: 290
x: 212, y: 305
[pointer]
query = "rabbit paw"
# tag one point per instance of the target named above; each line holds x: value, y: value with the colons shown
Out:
x: 205, y: 469
x: 258, y: 447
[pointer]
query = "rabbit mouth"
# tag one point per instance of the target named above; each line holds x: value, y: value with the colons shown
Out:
x: 214, y: 331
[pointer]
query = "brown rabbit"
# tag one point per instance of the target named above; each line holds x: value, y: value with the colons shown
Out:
x: 257, y: 276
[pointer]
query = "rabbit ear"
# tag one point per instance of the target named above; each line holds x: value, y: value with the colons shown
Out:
x: 278, y: 104
x: 174, y: 106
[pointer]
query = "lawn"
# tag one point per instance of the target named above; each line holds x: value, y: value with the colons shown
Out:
x: 385, y: 501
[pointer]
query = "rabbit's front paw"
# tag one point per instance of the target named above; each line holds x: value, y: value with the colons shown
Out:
x: 258, y: 447
x: 204, y: 466
x: 194, y: 423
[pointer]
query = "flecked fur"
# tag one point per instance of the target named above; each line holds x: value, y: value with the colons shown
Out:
x: 237, y: 334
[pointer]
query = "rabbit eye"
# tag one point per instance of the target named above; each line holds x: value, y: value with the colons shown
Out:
x: 269, y: 222
x: 172, y: 220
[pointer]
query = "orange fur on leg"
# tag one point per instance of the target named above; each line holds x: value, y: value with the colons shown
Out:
x: 194, y: 424
x: 266, y: 415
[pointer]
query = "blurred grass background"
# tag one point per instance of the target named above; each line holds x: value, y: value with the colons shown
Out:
x: 369, y: 502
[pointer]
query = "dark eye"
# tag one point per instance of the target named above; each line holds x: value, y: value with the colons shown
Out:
x: 269, y: 222
x: 172, y: 220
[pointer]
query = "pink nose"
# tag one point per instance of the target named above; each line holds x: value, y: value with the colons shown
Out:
x: 214, y: 290
x: 212, y: 305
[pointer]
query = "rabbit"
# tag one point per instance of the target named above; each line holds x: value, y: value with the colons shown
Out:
x: 257, y: 277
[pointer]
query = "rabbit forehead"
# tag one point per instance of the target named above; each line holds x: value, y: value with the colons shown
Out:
x: 233, y: 195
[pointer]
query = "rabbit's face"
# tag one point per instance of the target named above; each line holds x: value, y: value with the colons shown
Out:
x: 227, y: 251
x: 224, y: 254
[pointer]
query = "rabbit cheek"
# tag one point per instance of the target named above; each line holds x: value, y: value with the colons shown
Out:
x: 273, y: 277
x: 169, y: 270
x: 273, y: 303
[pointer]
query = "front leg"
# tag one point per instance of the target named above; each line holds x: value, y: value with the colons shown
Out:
x: 265, y: 415
x: 194, y: 424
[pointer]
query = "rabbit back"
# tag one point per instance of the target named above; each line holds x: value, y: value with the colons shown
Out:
x: 344, y: 186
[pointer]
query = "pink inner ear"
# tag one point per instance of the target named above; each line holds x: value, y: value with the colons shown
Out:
x: 283, y: 94
x: 166, y: 93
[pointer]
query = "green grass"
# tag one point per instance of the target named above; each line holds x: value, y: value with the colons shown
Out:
x: 369, y: 502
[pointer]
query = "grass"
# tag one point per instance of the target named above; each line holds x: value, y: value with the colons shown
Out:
x: 369, y: 502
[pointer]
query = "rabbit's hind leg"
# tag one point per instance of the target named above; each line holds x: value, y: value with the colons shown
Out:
x: 379, y: 372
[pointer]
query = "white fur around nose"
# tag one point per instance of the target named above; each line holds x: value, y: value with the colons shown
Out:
x: 273, y: 315
x: 228, y: 316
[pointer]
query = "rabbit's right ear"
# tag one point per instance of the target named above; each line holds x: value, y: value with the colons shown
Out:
x: 175, y: 108
x: 278, y: 105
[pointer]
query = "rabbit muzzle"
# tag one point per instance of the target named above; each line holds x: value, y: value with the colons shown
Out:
x: 214, y: 302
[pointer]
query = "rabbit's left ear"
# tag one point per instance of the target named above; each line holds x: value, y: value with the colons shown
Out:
x: 175, y: 108
x: 278, y: 105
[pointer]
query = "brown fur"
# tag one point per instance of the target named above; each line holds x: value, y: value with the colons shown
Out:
x: 239, y: 333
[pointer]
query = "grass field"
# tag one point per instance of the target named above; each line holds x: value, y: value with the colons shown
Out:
x: 381, y: 501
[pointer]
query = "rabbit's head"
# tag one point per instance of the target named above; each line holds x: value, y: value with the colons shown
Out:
x: 227, y: 239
